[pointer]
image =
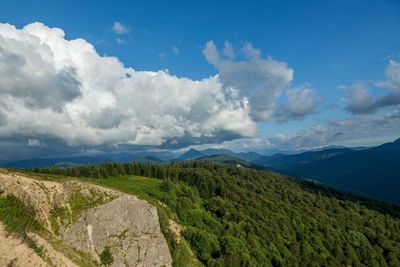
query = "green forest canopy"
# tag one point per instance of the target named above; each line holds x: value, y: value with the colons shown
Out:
x: 235, y: 216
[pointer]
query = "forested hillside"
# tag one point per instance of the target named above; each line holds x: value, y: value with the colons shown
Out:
x: 372, y: 172
x: 234, y: 216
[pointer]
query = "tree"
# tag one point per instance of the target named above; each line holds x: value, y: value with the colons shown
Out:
x: 167, y: 185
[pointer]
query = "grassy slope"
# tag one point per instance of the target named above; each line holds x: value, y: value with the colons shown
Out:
x: 251, y: 218
x: 149, y: 190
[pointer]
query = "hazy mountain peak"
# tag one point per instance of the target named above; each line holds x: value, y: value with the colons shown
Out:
x: 190, y: 155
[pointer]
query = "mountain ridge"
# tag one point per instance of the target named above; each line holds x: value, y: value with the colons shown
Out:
x: 235, y: 216
x: 369, y: 171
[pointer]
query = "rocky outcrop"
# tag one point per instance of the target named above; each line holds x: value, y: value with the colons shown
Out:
x: 87, y: 218
x: 128, y: 226
x: 40, y: 195
x: 47, y: 196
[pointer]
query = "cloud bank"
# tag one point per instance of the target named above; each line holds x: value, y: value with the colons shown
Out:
x: 374, y: 119
x: 59, y: 91
x: 358, y: 130
x: 51, y: 86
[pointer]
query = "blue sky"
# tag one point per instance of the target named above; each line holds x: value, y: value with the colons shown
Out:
x: 327, y: 44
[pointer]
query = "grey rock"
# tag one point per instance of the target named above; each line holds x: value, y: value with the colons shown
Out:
x: 128, y: 226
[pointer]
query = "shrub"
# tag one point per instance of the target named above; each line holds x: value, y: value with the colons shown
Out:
x: 106, y: 257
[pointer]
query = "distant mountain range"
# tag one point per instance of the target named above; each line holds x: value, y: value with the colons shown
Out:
x: 193, y: 154
x: 373, y: 172
x: 79, y: 160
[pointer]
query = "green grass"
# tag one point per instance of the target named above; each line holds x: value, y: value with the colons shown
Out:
x: 77, y: 202
x: 16, y: 216
x: 80, y: 202
x: 78, y: 257
x: 33, y: 245
x: 143, y: 187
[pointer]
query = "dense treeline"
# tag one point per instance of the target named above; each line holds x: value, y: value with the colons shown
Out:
x: 242, y: 217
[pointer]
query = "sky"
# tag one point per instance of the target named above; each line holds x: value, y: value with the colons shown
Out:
x: 84, y: 76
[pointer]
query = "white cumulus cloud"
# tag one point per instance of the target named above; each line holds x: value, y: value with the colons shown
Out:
x: 360, y: 100
x: 51, y: 86
x: 392, y: 73
x: 301, y: 101
x: 260, y: 80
